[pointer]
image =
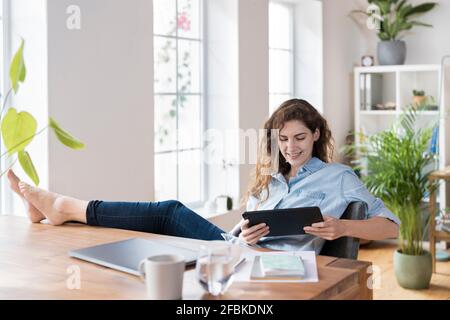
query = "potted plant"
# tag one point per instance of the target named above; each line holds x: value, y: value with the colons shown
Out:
x: 398, y: 162
x: 394, y: 17
x: 224, y: 203
x: 19, y: 128
x: 418, y: 97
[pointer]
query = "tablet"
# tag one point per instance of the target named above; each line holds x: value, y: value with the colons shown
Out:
x: 283, y: 222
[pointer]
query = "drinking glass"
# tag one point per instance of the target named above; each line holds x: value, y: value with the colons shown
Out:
x: 215, y: 267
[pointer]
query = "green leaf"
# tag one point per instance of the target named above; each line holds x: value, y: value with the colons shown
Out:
x: 387, y: 29
x: 360, y: 11
x: 18, y: 130
x: 403, y: 11
x: 422, y: 8
x: 64, y: 137
x: 398, y: 165
x: 17, y: 70
x: 384, y: 36
x: 418, y: 23
x: 405, y: 26
x: 385, y: 7
x: 400, y: 5
x: 28, y: 166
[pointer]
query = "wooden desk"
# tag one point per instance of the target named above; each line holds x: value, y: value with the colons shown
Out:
x: 34, y: 264
x: 436, y: 235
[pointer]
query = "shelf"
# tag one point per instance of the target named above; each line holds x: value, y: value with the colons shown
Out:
x: 441, y: 235
x: 393, y: 113
x: 378, y: 86
x: 378, y: 112
x: 401, y: 68
x: 428, y: 113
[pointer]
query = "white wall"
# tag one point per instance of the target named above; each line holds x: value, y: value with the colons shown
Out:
x: 101, y: 90
x: 253, y: 74
x: 345, y: 41
x: 341, y: 52
x: 309, y: 52
x: 428, y: 45
x: 237, y: 87
x: 221, y: 88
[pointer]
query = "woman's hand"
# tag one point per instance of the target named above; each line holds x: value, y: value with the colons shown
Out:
x: 251, y: 235
x: 330, y: 229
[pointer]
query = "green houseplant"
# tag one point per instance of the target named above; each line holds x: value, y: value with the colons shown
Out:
x: 398, y: 162
x: 18, y: 129
x: 419, y: 97
x: 394, y: 18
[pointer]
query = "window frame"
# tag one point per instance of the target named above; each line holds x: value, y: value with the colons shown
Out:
x: 201, y: 94
x: 292, y: 74
x: 6, y: 196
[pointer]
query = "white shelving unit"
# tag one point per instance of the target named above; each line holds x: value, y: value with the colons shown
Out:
x: 383, y: 92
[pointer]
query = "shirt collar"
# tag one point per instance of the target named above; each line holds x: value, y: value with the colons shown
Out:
x: 314, y: 164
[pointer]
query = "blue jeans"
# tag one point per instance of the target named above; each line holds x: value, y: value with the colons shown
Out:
x: 166, y: 217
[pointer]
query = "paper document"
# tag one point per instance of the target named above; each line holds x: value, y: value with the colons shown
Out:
x: 249, y: 272
x: 285, y: 265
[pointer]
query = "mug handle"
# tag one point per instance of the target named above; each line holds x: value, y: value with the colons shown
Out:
x: 142, y: 270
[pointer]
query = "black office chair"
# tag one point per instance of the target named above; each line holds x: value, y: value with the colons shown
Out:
x: 346, y: 247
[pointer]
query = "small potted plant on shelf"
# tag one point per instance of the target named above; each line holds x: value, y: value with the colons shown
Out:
x: 419, y: 97
x: 398, y: 162
x: 424, y: 102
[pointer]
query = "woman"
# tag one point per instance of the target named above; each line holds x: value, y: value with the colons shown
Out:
x: 305, y: 177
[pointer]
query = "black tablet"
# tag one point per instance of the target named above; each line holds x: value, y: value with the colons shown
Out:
x: 283, y: 222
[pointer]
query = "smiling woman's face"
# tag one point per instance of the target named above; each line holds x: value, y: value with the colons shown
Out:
x: 296, y: 142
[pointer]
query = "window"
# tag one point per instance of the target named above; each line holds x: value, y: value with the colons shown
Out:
x: 179, y: 170
x: 281, y: 53
x: 4, y: 198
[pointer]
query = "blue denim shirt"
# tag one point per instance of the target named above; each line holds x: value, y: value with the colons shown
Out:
x: 331, y: 187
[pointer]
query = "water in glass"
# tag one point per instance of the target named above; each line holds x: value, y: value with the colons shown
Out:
x: 215, y: 267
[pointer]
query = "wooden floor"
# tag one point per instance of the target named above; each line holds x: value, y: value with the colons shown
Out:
x: 381, y: 255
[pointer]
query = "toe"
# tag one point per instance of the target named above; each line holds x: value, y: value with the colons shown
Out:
x: 12, y: 176
x: 24, y: 187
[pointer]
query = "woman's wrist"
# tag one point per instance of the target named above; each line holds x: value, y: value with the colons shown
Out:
x: 346, y: 227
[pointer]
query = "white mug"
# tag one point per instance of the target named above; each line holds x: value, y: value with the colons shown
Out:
x: 163, y: 276
x: 221, y: 203
x: 210, y: 206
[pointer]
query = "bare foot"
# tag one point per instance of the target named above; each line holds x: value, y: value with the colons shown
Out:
x: 51, y: 204
x: 34, y: 214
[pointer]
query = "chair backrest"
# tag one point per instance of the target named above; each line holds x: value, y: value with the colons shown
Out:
x: 346, y: 247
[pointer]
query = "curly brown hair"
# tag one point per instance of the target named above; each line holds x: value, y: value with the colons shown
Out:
x: 294, y: 109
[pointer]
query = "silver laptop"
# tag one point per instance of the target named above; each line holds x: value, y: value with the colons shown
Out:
x: 125, y: 255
